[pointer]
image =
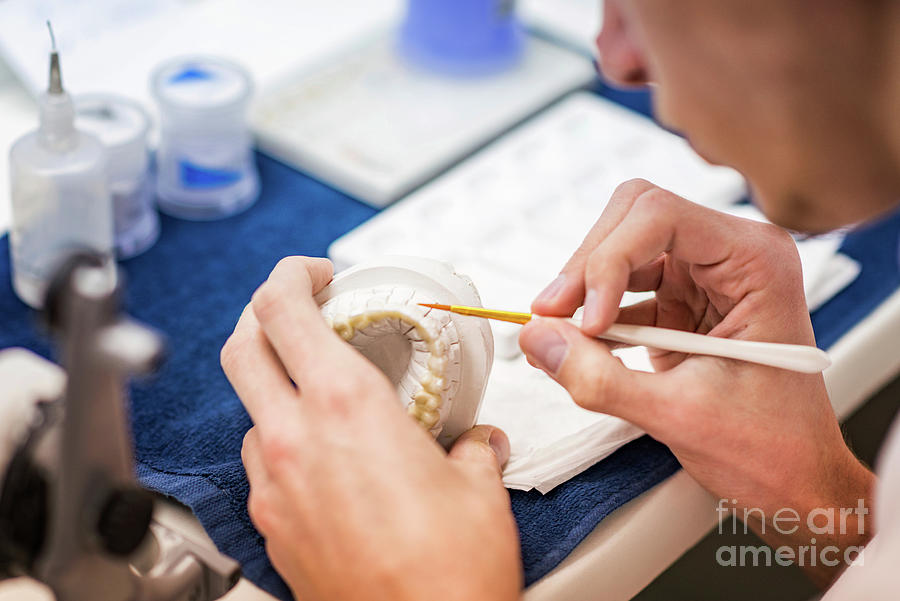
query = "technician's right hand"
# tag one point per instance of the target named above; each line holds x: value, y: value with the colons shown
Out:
x: 763, y: 436
x: 356, y: 500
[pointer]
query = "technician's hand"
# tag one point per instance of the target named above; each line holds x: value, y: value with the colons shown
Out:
x: 763, y: 436
x: 354, y: 499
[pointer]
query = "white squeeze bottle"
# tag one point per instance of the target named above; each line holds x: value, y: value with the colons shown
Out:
x: 60, y: 200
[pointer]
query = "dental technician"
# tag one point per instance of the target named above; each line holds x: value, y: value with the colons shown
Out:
x: 356, y: 501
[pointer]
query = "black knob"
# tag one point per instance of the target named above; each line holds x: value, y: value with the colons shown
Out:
x: 23, y: 515
x: 125, y: 520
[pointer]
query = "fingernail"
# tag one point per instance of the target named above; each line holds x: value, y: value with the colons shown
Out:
x: 548, y: 349
x: 500, y: 445
x: 552, y: 289
x: 591, y: 309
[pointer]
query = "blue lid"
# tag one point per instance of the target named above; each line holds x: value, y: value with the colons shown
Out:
x: 462, y: 37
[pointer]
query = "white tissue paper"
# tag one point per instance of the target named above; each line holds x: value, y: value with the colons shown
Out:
x: 552, y: 439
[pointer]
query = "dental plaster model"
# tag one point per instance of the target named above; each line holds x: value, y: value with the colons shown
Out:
x: 439, y: 362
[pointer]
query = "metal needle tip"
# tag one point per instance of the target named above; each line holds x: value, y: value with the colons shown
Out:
x: 55, y: 73
x: 52, y: 37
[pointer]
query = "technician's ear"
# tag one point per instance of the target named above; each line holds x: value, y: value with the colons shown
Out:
x: 620, y: 57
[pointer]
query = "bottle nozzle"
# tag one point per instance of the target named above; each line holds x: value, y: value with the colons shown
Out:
x: 55, y: 73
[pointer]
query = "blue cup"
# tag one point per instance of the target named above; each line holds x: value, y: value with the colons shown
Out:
x: 462, y: 37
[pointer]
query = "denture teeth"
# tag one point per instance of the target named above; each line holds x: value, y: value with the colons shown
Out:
x: 437, y: 364
x: 431, y: 337
x: 341, y: 325
x: 429, y: 419
x: 427, y: 400
x: 432, y: 384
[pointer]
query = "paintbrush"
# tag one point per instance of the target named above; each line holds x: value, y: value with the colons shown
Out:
x: 794, y: 357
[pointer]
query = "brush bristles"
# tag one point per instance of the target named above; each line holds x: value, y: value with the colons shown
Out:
x: 436, y: 306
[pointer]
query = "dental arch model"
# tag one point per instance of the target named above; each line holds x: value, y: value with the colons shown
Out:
x: 439, y: 362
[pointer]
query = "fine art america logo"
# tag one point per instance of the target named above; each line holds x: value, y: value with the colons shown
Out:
x: 827, y: 523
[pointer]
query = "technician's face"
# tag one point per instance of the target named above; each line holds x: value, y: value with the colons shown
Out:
x: 773, y: 88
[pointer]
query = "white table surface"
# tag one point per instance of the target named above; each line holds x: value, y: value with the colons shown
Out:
x: 638, y: 541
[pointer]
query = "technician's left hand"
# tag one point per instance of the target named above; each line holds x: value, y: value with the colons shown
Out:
x: 354, y: 499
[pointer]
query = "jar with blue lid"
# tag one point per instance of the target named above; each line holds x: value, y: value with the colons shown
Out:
x: 122, y: 126
x: 205, y: 162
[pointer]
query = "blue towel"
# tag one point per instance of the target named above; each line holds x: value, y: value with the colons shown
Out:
x: 188, y: 424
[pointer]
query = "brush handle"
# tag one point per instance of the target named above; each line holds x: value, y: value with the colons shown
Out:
x: 794, y: 357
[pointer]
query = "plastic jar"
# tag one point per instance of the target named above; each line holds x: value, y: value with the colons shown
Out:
x: 205, y: 162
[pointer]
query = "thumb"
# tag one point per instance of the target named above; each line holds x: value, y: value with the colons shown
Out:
x: 592, y: 375
x: 482, y: 448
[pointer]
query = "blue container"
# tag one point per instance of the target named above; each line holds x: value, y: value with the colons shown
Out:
x: 462, y: 37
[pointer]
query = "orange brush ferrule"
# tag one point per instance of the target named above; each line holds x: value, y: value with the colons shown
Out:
x: 510, y: 316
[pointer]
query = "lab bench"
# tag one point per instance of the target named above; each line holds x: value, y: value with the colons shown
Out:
x: 639, y: 540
